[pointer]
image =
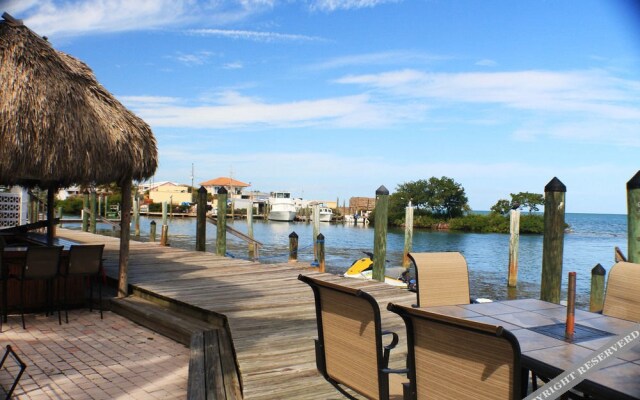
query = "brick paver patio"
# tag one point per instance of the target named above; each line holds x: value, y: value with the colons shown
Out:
x: 90, y: 358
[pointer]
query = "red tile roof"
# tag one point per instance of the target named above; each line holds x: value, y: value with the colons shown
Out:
x: 224, y: 181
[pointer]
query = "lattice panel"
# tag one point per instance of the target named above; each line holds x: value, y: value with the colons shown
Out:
x: 9, y: 209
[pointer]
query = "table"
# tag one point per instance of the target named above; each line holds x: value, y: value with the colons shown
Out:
x: 549, y: 356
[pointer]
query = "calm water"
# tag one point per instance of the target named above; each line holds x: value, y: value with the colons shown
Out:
x: 591, y: 240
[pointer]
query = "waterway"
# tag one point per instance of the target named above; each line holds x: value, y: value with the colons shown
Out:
x: 590, y: 240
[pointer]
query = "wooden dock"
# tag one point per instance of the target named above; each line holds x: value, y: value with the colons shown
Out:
x: 270, y: 313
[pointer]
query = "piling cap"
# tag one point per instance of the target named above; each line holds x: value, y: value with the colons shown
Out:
x: 222, y: 190
x: 634, y: 183
x: 293, y: 235
x: 598, y: 270
x: 555, y: 185
x: 202, y: 190
x: 382, y: 191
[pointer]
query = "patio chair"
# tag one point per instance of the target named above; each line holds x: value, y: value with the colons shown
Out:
x: 84, y: 261
x: 622, y: 298
x: 14, y: 371
x: 42, y: 263
x: 349, y: 349
x: 442, y: 278
x: 453, y: 358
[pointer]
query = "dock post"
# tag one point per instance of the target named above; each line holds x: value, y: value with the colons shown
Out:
x: 60, y: 215
x: 514, y: 242
x: 408, y: 234
x: 93, y: 210
x: 633, y: 218
x: 596, y: 298
x: 553, y: 241
x: 316, y: 228
x: 100, y: 204
x: 164, y: 234
x: 252, y: 246
x: 320, y: 241
x: 201, y: 219
x: 106, y: 206
x: 221, y: 234
x: 136, y: 216
x: 380, y: 233
x: 152, y: 231
x: 293, y: 247
x: 85, y: 215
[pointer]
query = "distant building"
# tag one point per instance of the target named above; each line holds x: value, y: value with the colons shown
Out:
x: 64, y: 194
x: 172, y: 193
x: 234, y: 187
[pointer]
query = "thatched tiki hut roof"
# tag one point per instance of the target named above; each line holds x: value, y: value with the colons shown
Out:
x: 59, y: 126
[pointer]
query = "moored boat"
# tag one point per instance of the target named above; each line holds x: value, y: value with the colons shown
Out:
x: 281, y: 207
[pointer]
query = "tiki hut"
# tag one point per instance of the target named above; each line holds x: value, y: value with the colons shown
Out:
x: 59, y: 126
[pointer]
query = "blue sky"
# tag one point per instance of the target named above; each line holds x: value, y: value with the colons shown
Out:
x: 331, y: 99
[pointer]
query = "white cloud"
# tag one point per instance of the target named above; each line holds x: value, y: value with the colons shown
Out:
x: 257, y: 36
x: 333, y: 5
x: 233, y: 65
x: 381, y: 58
x: 198, y: 58
x: 486, y: 63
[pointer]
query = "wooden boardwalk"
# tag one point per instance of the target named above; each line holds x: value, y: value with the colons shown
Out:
x: 270, y: 312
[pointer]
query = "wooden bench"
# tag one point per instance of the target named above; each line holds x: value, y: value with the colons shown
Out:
x: 213, y: 373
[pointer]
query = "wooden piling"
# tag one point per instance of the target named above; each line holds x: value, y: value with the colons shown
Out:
x: 571, y: 307
x: 320, y: 241
x: 316, y: 228
x: 293, y: 247
x: 221, y: 234
x: 100, y: 205
x: 201, y: 219
x: 92, y: 202
x: 136, y: 217
x: 408, y: 234
x: 252, y: 246
x: 633, y: 218
x: 125, y: 235
x: 85, y: 215
x: 106, y: 206
x: 514, y: 240
x: 152, y: 231
x: 553, y: 241
x: 380, y: 233
x: 596, y: 298
x: 164, y: 233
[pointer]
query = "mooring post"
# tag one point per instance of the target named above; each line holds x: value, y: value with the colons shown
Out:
x: 85, y: 215
x: 514, y: 240
x: 320, y: 241
x: 252, y: 245
x: 596, y: 298
x: 106, y: 206
x: 93, y: 210
x: 408, y: 234
x: 164, y: 233
x: 221, y: 238
x: 380, y: 233
x: 553, y: 241
x: 100, y: 204
x: 201, y: 219
x: 152, y: 231
x: 60, y: 215
x: 633, y: 218
x: 316, y: 228
x: 293, y: 247
x: 136, y: 216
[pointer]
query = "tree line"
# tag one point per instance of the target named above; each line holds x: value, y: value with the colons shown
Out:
x: 441, y: 203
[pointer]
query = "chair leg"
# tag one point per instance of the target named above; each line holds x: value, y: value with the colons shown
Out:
x: 22, y: 300
x: 58, y: 301
x: 100, y: 296
x: 90, y: 293
x: 66, y: 305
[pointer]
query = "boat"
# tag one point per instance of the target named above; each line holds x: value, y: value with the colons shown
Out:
x: 363, y: 269
x: 281, y: 207
x: 325, y: 214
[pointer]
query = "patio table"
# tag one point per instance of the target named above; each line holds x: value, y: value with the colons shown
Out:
x: 539, y: 327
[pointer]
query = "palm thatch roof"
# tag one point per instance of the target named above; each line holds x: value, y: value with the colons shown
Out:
x: 58, y: 125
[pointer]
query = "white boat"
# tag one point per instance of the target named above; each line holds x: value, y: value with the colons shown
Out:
x: 325, y: 214
x: 281, y: 207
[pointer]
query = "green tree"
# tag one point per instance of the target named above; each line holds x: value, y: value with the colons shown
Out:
x: 446, y: 197
x: 527, y: 200
x: 502, y: 207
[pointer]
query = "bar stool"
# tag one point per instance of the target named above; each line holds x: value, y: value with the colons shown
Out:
x: 84, y: 261
x: 42, y: 263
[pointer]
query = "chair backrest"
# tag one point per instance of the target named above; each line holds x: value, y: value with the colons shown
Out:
x: 459, y: 359
x: 42, y: 262
x: 442, y: 278
x: 622, y: 299
x: 349, y: 346
x: 85, y: 259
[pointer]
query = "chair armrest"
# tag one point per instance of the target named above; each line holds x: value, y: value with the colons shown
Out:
x: 387, y: 348
x: 395, y: 371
